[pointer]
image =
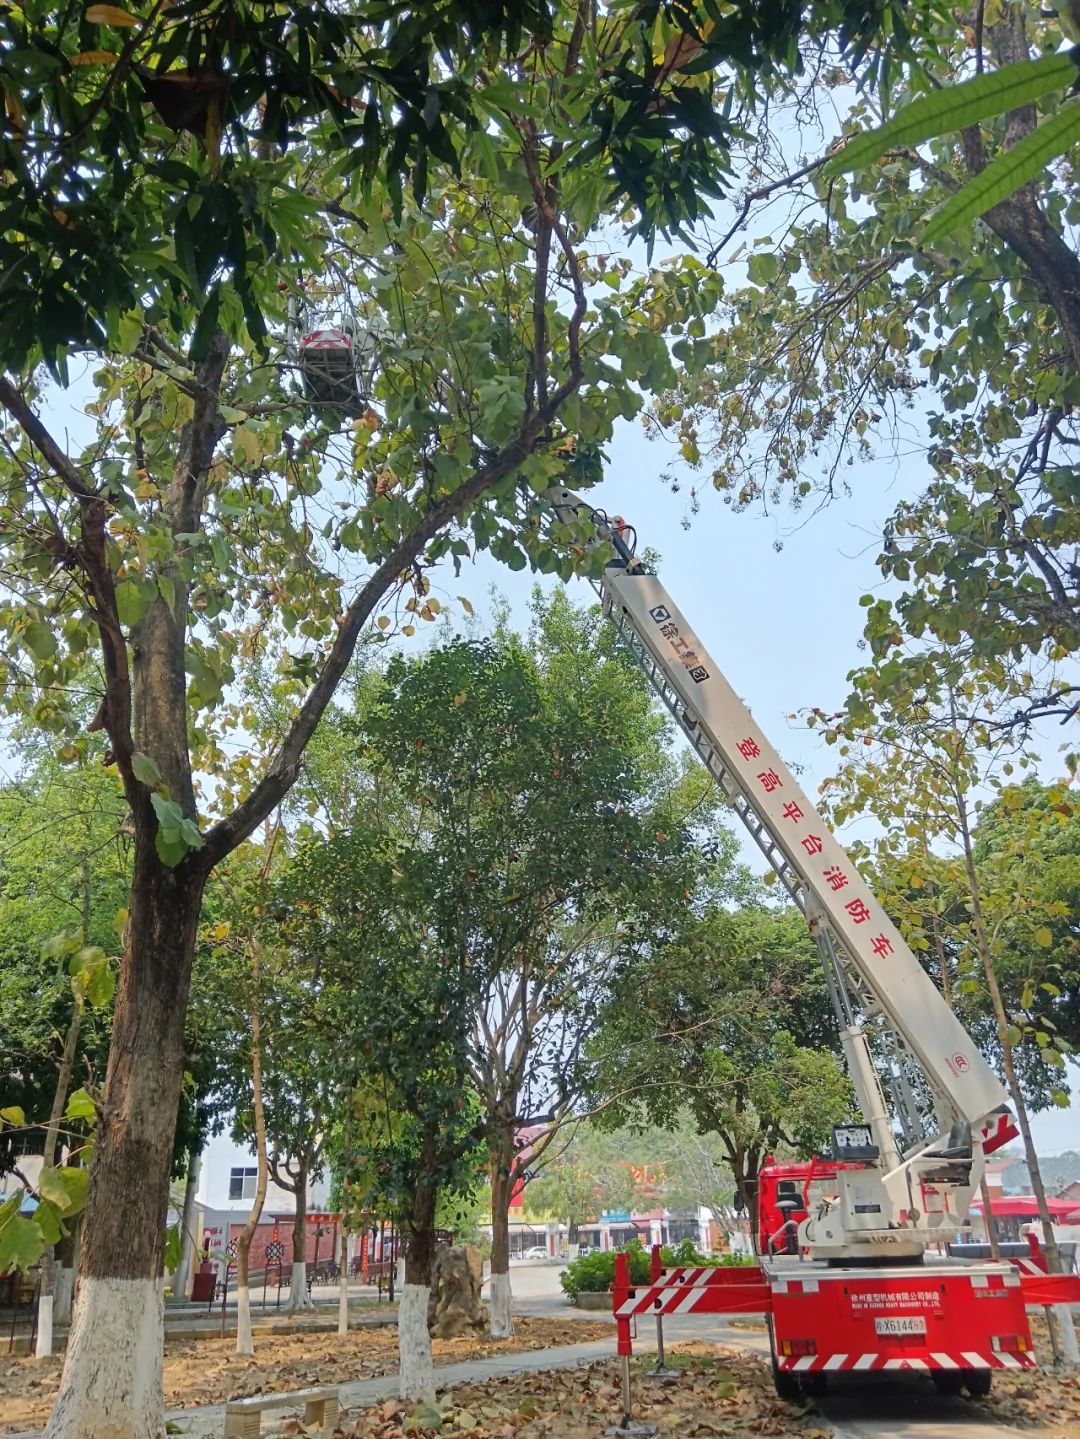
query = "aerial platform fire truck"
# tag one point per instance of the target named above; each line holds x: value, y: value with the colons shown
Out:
x: 855, y: 1274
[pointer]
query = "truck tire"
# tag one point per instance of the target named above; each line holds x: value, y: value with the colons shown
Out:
x: 789, y: 1387
x: 948, y: 1381
x: 977, y: 1382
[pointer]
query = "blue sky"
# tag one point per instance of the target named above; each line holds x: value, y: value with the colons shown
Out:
x: 784, y: 625
x: 773, y: 595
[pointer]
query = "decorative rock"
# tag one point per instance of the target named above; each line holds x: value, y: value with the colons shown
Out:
x: 454, y: 1308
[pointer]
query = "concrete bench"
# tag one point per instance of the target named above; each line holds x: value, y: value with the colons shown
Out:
x: 243, y: 1417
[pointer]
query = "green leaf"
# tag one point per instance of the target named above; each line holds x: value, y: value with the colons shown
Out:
x: 39, y: 640
x: 80, y: 1106
x: 129, y: 332
x: 75, y: 1180
x: 145, y: 770
x: 169, y: 813
x: 952, y: 109
x: 21, y: 1240
x: 1027, y: 160
x: 172, y: 1247
x: 13, y: 1115
x: 204, y: 330
x: 100, y: 982
x: 131, y: 602
x: 85, y: 957
x: 763, y: 268
x: 47, y: 1219
x: 50, y: 1185
x: 171, y: 846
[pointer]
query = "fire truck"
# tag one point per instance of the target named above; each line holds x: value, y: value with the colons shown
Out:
x: 853, y: 1272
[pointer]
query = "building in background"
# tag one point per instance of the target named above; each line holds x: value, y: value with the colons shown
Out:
x: 227, y: 1182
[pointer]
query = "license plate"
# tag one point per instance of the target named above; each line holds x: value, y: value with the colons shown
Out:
x: 901, y: 1324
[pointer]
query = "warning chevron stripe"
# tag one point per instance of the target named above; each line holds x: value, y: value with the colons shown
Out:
x: 969, y: 1359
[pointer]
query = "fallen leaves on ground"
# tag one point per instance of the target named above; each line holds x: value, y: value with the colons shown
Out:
x: 1038, y: 1398
x: 719, y: 1393
x: 208, y: 1371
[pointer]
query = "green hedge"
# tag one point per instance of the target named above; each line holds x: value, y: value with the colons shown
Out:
x: 595, y: 1273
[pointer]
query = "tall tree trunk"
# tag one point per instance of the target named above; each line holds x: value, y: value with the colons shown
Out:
x: 417, y: 1373
x: 1062, y: 1317
x: 44, y: 1343
x: 182, y: 1277
x: 245, y: 1344
x: 111, y: 1385
x: 343, y: 1280
x: 989, y: 1222
x: 66, y: 1260
x: 501, y: 1168
x: 299, y: 1298
x: 1021, y: 221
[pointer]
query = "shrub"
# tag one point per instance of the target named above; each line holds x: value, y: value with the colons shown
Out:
x: 595, y: 1273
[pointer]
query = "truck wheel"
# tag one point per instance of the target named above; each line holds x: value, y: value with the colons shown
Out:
x: 948, y: 1381
x: 977, y: 1382
x: 788, y: 1386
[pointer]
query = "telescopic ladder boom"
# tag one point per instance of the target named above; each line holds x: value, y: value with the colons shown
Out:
x: 877, y: 984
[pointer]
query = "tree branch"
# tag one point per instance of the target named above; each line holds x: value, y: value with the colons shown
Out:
x: 91, y: 553
x: 285, y: 766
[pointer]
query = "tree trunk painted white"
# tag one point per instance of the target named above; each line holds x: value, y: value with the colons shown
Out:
x: 501, y: 1171
x: 343, y: 1284
x: 1070, y: 1353
x: 121, y: 1399
x: 245, y: 1343
x: 182, y: 1277
x: 299, y: 1298
x: 43, y: 1347
x: 414, y: 1344
x: 47, y: 1267
x: 502, y: 1319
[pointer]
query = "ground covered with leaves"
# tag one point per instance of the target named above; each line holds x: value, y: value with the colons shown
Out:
x: 208, y: 1371
x: 719, y: 1393
x: 1038, y: 1400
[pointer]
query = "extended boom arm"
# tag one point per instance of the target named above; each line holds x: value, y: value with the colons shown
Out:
x: 876, y: 982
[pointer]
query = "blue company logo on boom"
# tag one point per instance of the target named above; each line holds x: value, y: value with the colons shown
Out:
x: 685, y: 655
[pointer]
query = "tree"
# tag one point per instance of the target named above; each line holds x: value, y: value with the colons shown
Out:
x: 574, y: 1191
x: 156, y: 238
x: 64, y: 882
x: 693, y: 1171
x: 215, y: 514
x: 116, y: 120
x: 1037, y: 825
x: 598, y: 1168
x: 932, y: 760
x: 244, y: 1341
x: 739, y: 1033
x: 856, y: 334
x: 539, y: 767
x: 63, y: 872
x: 391, y: 949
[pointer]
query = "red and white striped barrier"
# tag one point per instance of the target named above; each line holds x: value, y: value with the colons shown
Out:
x: 866, y: 1363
